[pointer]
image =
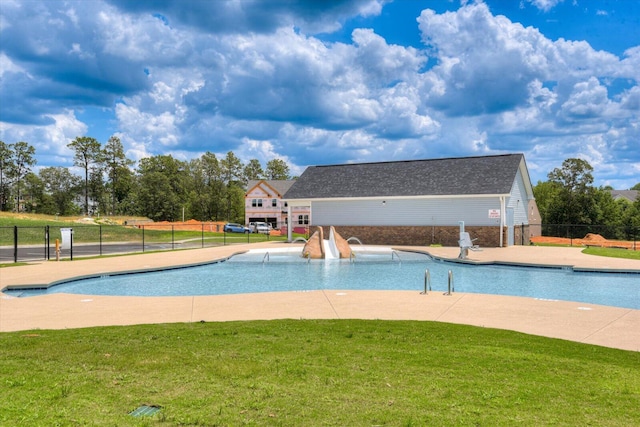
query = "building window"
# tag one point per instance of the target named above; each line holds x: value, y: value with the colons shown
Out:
x: 303, y: 219
x: 256, y: 203
x: 274, y: 203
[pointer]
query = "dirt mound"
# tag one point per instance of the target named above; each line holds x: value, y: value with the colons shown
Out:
x: 588, y: 240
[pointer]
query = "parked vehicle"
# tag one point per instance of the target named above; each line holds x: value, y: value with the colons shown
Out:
x: 260, y: 227
x: 232, y: 227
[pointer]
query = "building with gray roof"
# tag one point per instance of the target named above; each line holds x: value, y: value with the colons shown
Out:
x: 422, y: 201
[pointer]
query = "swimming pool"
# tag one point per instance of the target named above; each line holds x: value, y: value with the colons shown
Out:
x: 283, y: 270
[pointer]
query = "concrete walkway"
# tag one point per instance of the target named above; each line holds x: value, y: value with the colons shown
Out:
x: 587, y: 323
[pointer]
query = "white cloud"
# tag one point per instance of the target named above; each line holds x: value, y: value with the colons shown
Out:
x: 545, y: 5
x: 187, y: 80
x: 50, y: 141
x: 587, y: 100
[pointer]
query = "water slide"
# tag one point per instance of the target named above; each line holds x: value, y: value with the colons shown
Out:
x: 330, y: 248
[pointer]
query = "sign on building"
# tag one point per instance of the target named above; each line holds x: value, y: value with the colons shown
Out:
x: 494, y: 213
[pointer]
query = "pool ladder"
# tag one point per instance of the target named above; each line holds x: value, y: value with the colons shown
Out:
x: 427, y: 283
x: 265, y: 258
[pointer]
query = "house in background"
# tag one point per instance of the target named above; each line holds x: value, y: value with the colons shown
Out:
x: 626, y: 195
x: 263, y: 203
x: 422, y: 202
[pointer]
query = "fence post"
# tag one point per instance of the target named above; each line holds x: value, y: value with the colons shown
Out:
x: 142, y: 237
x: 202, y: 233
x: 172, y: 238
x: 46, y: 242
x: 15, y: 243
x: 100, y: 231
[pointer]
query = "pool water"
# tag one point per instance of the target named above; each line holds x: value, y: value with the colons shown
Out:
x: 283, y: 271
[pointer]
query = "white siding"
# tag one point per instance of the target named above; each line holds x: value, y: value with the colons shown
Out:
x: 427, y: 211
x: 519, y: 201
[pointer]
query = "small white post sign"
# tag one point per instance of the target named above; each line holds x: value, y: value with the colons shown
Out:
x: 494, y: 213
x: 66, y: 238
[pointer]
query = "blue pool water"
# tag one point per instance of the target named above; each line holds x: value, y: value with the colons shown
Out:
x: 284, y: 271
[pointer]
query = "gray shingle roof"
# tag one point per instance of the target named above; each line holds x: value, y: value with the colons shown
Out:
x: 433, y: 177
x: 280, y: 185
x: 631, y: 195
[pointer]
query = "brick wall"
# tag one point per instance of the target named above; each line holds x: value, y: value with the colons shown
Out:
x: 423, y: 235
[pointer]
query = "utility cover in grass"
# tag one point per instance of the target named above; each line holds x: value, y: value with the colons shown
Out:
x: 145, y: 410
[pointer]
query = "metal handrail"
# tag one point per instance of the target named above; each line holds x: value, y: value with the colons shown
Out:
x: 450, y: 288
x: 396, y: 254
x: 354, y: 238
x: 265, y: 257
x: 427, y: 282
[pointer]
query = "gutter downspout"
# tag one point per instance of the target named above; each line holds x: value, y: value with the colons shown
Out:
x: 502, y: 215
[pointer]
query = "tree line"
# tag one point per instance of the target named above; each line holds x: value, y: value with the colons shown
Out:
x: 161, y: 187
x: 569, y: 197
x: 209, y: 188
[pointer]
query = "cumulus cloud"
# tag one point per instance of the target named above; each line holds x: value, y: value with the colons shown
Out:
x: 260, y: 79
x: 234, y: 16
x: 545, y: 5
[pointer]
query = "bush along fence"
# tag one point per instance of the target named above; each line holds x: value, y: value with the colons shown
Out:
x: 39, y: 243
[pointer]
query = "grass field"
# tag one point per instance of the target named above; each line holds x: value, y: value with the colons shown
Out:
x: 312, y: 373
x: 109, y: 230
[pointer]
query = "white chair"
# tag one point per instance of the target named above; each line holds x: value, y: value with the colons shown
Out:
x: 466, y: 244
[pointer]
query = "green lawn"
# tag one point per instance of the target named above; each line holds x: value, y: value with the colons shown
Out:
x: 311, y: 373
x: 31, y: 232
x: 613, y: 252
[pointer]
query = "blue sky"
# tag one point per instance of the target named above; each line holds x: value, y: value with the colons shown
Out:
x: 328, y: 82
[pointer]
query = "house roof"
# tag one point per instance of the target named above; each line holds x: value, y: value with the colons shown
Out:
x: 487, y: 175
x: 281, y: 186
x: 630, y: 195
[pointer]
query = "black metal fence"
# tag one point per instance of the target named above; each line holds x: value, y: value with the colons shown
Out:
x: 622, y: 236
x: 578, y: 231
x: 40, y: 243
x: 51, y: 242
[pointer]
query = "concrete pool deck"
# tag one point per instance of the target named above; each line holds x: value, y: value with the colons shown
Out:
x: 588, y: 323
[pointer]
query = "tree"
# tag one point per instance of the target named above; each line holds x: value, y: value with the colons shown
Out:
x: 576, y: 195
x: 21, y: 161
x: 231, y: 169
x: 5, y: 161
x: 157, y: 199
x: 87, y: 153
x: 117, y: 167
x: 60, y: 190
x: 547, y: 195
x: 33, y: 192
x: 636, y: 187
x: 206, y: 187
x: 277, y: 169
x: 162, y: 191
x: 253, y: 170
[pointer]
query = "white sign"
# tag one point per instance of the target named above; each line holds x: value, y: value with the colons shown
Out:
x: 66, y: 238
x: 494, y: 213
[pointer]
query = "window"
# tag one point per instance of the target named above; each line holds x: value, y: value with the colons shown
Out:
x: 256, y: 203
x: 303, y: 219
x: 274, y: 203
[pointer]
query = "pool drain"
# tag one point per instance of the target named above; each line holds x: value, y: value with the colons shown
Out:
x: 145, y: 410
